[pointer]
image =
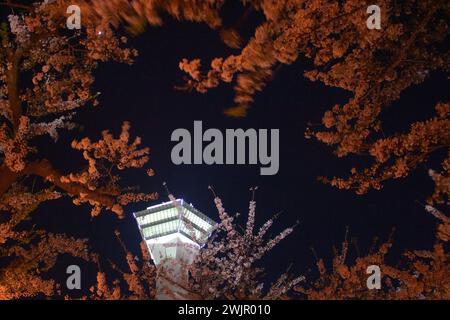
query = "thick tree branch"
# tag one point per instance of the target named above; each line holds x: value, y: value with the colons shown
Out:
x: 12, y: 79
x: 16, y: 6
x: 7, y: 178
x: 44, y: 169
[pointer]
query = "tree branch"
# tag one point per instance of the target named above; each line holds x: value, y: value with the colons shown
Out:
x: 16, y: 6
x: 7, y: 178
x: 44, y: 169
x: 12, y: 78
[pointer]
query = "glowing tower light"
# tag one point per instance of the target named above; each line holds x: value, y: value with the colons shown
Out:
x: 174, y: 232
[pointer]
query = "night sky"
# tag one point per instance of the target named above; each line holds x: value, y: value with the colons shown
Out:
x: 144, y: 94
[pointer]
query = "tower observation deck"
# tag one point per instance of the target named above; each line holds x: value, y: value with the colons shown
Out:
x: 174, y: 232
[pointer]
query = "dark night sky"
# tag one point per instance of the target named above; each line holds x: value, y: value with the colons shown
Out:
x: 143, y: 94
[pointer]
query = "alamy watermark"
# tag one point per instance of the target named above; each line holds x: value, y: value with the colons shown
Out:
x: 374, y: 20
x: 74, y: 19
x: 236, y: 146
x: 74, y: 279
x: 374, y: 280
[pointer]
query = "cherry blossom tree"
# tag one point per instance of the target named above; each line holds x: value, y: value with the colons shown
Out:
x: 375, y: 66
x: 137, y: 283
x: 45, y: 79
x: 46, y: 75
x: 226, y: 267
x: 420, y: 274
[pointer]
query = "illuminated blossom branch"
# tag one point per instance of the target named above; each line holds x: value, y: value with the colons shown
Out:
x: 46, y: 77
x: 139, y: 279
x: 420, y: 274
x: 375, y: 67
x: 226, y: 267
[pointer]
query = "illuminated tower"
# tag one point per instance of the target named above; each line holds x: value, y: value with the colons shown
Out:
x: 174, y: 232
